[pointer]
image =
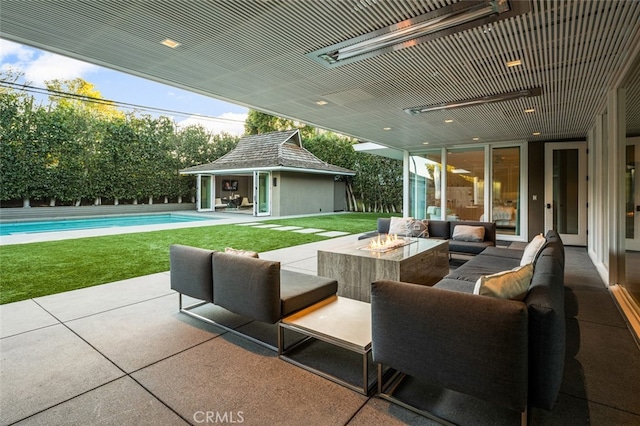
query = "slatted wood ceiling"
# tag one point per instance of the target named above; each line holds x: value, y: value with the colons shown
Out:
x: 252, y: 52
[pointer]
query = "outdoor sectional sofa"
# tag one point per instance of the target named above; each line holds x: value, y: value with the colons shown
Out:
x: 445, y: 229
x: 504, y: 351
x: 251, y: 287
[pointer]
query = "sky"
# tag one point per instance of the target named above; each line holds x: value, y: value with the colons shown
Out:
x: 39, y: 66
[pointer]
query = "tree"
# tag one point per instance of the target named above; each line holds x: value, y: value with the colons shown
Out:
x: 82, y: 96
x: 259, y: 122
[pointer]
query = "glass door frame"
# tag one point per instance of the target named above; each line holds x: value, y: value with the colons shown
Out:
x: 260, y: 197
x: 579, y: 239
x: 634, y: 243
x: 202, y: 185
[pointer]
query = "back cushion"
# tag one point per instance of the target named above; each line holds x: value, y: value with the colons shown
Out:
x: 247, y: 286
x: 383, y: 225
x: 439, y: 229
x: 191, y: 271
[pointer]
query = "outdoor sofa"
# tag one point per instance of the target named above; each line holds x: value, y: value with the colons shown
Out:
x: 508, y: 352
x: 248, y: 286
x: 442, y: 229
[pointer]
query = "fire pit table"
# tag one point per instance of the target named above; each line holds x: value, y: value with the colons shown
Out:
x: 355, y: 266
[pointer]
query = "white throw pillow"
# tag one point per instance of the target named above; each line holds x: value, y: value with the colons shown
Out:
x: 532, y: 249
x: 399, y: 225
x: 513, y: 284
x: 468, y: 233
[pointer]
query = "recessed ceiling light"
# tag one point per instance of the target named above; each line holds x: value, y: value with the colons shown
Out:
x: 448, y: 121
x: 530, y: 110
x: 170, y: 43
x: 514, y: 63
x: 386, y: 128
x: 536, y: 133
x: 425, y: 143
x: 322, y: 102
x: 476, y: 139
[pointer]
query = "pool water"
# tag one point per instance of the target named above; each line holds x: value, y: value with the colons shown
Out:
x: 95, y: 223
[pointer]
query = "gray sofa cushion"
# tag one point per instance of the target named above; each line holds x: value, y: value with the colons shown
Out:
x: 482, y: 265
x: 456, y: 285
x: 503, y: 252
x: 247, y: 286
x: 463, y: 342
x: 468, y: 247
x: 297, y: 290
x: 190, y: 271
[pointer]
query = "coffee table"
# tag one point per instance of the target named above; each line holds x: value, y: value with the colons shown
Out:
x: 338, y: 321
x: 423, y: 261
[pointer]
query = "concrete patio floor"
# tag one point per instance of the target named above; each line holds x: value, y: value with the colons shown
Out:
x: 121, y: 354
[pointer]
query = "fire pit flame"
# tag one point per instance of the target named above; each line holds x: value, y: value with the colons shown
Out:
x: 386, y: 242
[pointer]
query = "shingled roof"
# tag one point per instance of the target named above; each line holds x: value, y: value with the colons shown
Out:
x: 269, y: 151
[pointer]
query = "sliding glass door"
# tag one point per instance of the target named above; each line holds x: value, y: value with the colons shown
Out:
x: 450, y: 184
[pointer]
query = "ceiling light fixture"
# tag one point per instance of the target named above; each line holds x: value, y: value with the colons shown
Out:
x: 529, y: 110
x: 170, y: 43
x: 476, y: 139
x: 536, y: 91
x: 448, y: 120
x: 515, y: 63
x: 453, y: 18
x: 386, y: 128
x: 536, y: 133
x: 322, y: 103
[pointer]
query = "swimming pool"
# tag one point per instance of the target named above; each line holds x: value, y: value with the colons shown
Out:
x: 95, y: 223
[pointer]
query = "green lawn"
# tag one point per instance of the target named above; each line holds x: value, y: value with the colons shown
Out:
x: 40, y: 269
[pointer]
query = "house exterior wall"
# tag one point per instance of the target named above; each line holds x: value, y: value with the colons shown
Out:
x: 536, y: 187
x: 275, y: 193
x: 300, y: 193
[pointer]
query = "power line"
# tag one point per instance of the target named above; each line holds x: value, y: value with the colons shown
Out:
x: 120, y: 104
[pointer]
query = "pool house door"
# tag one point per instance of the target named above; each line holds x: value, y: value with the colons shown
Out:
x: 205, y: 193
x: 262, y: 193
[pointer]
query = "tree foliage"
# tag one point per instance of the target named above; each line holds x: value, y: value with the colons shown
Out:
x: 258, y: 123
x: 68, y: 153
x: 72, y: 151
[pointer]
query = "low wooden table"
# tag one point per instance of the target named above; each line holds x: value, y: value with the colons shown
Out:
x: 423, y: 261
x: 336, y: 320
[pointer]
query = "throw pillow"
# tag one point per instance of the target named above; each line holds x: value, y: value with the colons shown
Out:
x: 399, y: 225
x: 468, y: 233
x: 532, y: 249
x: 241, y: 252
x: 513, y: 284
x: 419, y: 228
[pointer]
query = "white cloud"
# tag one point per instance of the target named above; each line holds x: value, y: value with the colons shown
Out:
x: 229, y: 122
x: 9, y: 48
x: 45, y: 66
